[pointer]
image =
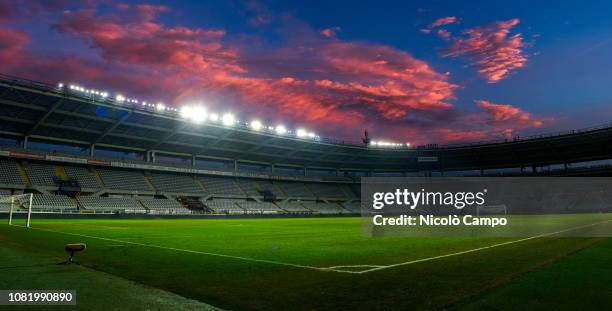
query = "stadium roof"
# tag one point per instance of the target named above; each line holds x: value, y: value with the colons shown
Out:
x: 51, y: 114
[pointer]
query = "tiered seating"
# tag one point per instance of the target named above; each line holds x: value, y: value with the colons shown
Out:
x: 355, y: 207
x: 83, y: 176
x: 294, y: 189
x: 293, y: 207
x: 258, y: 207
x: 269, y: 186
x: 224, y: 206
x: 52, y: 202
x: 352, y: 191
x: 324, y: 208
x: 221, y: 185
x: 326, y: 190
x: 163, y: 205
x: 4, y: 194
x: 109, y: 204
x: 124, y: 180
x: 248, y: 187
x: 175, y: 183
x: 41, y: 174
x: 9, y: 173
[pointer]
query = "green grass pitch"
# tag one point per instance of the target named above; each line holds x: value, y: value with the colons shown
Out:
x: 298, y: 263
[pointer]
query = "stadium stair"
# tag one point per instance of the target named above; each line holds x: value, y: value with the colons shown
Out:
x: 60, y: 172
x: 201, y: 184
x: 98, y: 178
x: 24, y: 175
x: 149, y: 183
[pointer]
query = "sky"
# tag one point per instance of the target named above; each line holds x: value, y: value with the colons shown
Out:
x: 414, y: 72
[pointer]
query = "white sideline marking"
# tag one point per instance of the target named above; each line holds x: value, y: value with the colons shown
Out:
x: 333, y: 268
x: 480, y: 248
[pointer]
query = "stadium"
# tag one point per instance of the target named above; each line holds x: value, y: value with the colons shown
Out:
x: 262, y: 155
x: 236, y: 208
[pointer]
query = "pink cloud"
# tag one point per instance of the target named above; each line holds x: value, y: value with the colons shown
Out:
x: 330, y: 32
x: 444, y: 34
x: 443, y: 21
x: 508, y: 115
x: 491, y: 49
x: 335, y: 87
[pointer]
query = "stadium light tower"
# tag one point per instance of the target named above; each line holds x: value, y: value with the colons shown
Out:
x: 366, y: 138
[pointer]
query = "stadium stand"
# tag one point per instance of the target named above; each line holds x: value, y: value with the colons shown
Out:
x: 52, y: 203
x: 124, y: 180
x: 248, y: 186
x: 41, y: 174
x: 224, y: 206
x: 267, y: 185
x: 258, y: 207
x: 175, y: 183
x: 9, y: 173
x: 83, y: 176
x: 326, y: 190
x: 163, y: 205
x: 354, y: 206
x: 4, y: 206
x: 294, y: 189
x: 324, y: 208
x: 293, y: 207
x: 221, y: 185
x: 113, y: 204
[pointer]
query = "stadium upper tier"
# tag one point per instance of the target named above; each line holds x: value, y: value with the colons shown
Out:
x: 34, y: 113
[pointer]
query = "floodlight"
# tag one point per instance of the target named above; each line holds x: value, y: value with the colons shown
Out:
x: 214, y: 117
x: 280, y: 129
x: 301, y: 133
x: 120, y: 98
x: 185, y: 111
x: 256, y: 125
x: 198, y: 114
x: 228, y: 119
x: 61, y: 85
x: 312, y: 135
x: 160, y: 106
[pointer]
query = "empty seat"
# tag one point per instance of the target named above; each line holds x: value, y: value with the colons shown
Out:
x: 52, y: 202
x: 224, y: 206
x: 41, y: 174
x: 322, y: 190
x: 293, y: 207
x: 109, y: 203
x: 354, y: 207
x: 324, y: 208
x: 294, y: 189
x: 9, y: 173
x: 221, y: 185
x: 124, y: 180
x: 258, y: 207
x: 248, y: 186
x: 84, y: 177
x: 175, y: 183
x: 163, y: 205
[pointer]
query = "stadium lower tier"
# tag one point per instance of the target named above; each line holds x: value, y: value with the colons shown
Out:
x: 62, y: 188
x: 149, y: 205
